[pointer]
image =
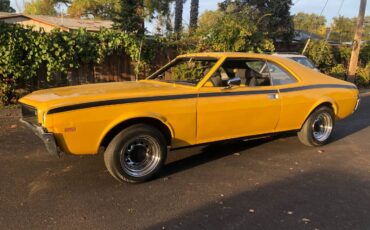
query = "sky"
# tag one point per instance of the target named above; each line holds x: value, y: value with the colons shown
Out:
x: 349, y: 8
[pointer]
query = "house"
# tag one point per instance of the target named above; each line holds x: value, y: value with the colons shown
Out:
x: 302, y: 36
x: 49, y: 23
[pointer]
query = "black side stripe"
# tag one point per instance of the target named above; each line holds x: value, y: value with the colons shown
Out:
x: 187, y: 96
x: 237, y: 93
x: 156, y: 98
x: 299, y: 88
x: 120, y: 101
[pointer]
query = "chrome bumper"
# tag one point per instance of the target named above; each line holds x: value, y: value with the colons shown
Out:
x: 357, y: 103
x: 47, y: 138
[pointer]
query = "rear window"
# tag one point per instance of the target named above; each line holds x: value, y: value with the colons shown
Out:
x: 304, y: 61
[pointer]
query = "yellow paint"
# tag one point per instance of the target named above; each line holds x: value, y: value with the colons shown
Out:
x: 191, y: 121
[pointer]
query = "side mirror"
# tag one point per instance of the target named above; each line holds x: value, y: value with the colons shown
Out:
x: 234, y: 82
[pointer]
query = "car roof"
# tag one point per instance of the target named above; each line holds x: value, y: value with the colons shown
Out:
x: 226, y: 54
x: 289, y: 55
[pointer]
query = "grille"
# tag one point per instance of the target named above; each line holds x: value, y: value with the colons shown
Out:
x: 29, y: 114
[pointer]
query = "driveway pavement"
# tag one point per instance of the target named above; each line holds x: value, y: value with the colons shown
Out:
x: 273, y: 183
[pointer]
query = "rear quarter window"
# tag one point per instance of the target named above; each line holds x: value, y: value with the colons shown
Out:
x: 280, y: 76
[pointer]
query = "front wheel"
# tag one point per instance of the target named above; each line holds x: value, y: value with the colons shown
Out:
x: 318, y: 128
x: 136, y: 154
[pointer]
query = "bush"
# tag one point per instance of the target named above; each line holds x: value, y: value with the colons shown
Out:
x: 231, y: 31
x: 338, y: 71
x: 365, y: 54
x: 321, y: 53
x: 25, y: 52
x: 342, y: 55
x: 363, y: 76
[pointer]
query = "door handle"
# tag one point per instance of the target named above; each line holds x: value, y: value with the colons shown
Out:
x: 273, y: 96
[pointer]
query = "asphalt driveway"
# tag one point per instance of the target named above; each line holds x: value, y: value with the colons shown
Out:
x: 273, y: 183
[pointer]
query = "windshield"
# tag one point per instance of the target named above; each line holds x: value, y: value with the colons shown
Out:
x: 304, y: 61
x: 188, y: 71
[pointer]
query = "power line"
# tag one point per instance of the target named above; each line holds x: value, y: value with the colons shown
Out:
x: 322, y: 11
x: 340, y: 8
x: 331, y: 26
x: 309, y: 38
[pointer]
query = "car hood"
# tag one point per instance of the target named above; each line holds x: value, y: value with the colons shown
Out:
x: 58, y: 97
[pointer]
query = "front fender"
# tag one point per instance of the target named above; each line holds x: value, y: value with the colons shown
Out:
x: 125, y: 117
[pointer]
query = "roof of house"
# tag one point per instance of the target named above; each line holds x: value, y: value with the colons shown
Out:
x: 302, y: 35
x: 65, y: 22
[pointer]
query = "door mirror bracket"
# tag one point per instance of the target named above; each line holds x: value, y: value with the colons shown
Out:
x: 233, y: 82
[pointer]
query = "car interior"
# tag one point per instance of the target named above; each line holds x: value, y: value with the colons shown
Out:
x: 251, y: 73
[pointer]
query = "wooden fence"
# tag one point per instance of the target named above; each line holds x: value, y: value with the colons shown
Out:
x: 114, y: 68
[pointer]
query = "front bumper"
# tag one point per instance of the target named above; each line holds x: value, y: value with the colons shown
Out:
x: 47, y: 138
x: 357, y: 103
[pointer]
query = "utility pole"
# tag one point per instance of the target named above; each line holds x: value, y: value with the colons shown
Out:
x: 356, y: 45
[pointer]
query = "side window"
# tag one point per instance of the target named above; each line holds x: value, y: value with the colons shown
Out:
x: 280, y: 76
x: 251, y: 73
x: 257, y: 73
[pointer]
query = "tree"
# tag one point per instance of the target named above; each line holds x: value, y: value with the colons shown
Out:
x: 279, y: 24
x: 311, y: 23
x: 103, y: 9
x: 40, y: 7
x: 343, y: 29
x: 231, y: 31
x: 366, y: 35
x: 194, y: 11
x: 131, y: 15
x: 207, y: 20
x: 5, y: 6
x: 273, y: 16
x: 179, y: 5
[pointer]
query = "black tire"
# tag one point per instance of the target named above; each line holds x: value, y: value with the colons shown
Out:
x: 136, y: 154
x: 317, y: 129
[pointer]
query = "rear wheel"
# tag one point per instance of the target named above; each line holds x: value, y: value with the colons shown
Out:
x: 136, y: 154
x: 318, y: 128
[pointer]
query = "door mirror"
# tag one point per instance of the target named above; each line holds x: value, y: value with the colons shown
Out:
x: 234, y: 82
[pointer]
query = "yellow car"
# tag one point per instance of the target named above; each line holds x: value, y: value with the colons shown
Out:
x: 195, y: 99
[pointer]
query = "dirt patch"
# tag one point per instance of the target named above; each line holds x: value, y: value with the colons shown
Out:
x: 10, y: 112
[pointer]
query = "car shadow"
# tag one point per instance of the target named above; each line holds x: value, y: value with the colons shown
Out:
x: 321, y: 199
x: 204, y: 154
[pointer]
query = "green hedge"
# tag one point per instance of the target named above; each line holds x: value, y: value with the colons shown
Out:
x: 24, y: 52
x: 334, y: 60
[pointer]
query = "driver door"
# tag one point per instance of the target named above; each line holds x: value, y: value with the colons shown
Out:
x: 225, y: 112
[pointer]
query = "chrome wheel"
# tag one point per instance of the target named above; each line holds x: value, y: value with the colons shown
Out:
x: 322, y: 127
x: 140, y: 156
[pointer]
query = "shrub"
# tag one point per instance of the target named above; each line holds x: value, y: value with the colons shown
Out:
x: 342, y: 55
x: 365, y: 54
x: 320, y: 52
x: 25, y: 52
x: 363, y: 76
x: 231, y: 31
x: 338, y: 71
